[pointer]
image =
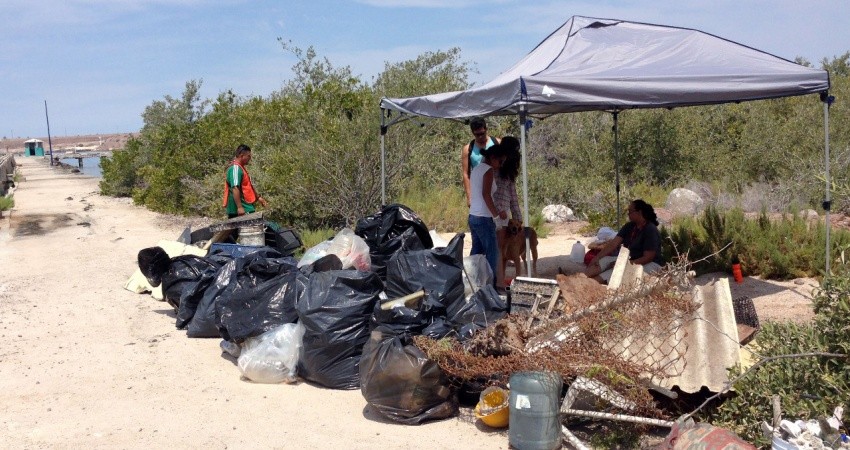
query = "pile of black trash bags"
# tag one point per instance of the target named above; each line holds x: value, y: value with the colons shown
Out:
x: 349, y: 341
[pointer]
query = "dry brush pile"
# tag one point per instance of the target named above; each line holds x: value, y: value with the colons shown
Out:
x: 632, y: 336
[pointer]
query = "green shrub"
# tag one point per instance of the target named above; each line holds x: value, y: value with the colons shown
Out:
x: 312, y: 237
x: 441, y: 208
x: 784, y: 248
x: 6, y: 203
x: 809, y: 387
x: 119, y: 171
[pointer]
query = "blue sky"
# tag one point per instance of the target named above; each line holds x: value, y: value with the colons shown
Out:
x: 98, y: 63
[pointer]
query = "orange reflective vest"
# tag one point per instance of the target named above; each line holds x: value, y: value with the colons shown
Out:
x: 247, y: 189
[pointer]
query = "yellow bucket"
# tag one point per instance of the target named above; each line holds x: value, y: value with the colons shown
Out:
x: 492, y: 407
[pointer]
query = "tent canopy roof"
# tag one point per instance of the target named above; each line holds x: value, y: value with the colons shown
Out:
x: 605, y: 64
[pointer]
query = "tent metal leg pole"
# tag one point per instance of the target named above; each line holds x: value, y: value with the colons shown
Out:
x: 383, y: 161
x: 617, y: 164
x: 525, y: 217
x: 827, y: 203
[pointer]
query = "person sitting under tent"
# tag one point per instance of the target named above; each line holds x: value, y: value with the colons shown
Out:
x: 640, y: 235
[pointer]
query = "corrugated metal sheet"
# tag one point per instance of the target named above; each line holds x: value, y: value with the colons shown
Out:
x: 711, y: 339
x: 708, y: 341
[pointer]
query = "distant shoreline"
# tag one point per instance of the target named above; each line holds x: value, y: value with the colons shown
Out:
x: 88, y: 142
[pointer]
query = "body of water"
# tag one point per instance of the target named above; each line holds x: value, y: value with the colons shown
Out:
x: 91, y: 166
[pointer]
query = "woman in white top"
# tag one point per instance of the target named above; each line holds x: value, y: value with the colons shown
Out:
x: 482, y: 208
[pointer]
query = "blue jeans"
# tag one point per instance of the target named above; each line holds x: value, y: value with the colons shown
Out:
x: 483, y: 231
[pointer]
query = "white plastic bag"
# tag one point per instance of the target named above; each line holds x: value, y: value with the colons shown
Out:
x: 351, y: 249
x: 478, y: 270
x: 272, y: 356
x: 577, y: 253
x: 314, y: 253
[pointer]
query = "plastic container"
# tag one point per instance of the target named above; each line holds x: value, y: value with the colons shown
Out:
x: 534, y: 422
x: 736, y: 272
x: 253, y: 235
x: 492, y: 407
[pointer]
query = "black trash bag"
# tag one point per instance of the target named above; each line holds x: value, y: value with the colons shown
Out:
x: 204, y: 322
x: 335, y: 312
x: 193, y: 292
x: 154, y: 262
x: 381, y: 254
x: 401, y: 319
x: 438, y: 328
x: 484, y: 308
x: 438, y: 271
x: 262, y: 299
x: 390, y: 222
x: 399, y: 380
x: 184, y: 273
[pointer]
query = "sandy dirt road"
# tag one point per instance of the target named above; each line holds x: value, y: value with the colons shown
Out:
x: 87, y: 364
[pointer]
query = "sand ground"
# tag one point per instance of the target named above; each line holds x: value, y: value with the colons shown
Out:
x: 87, y: 364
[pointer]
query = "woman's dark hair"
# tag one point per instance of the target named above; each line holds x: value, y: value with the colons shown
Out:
x: 494, y: 151
x: 646, y: 210
x: 510, y: 168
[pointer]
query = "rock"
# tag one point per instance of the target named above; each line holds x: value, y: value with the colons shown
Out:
x: 665, y: 217
x: 684, y: 202
x: 558, y: 214
x: 809, y: 214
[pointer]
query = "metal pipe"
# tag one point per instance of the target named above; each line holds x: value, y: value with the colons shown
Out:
x: 617, y: 164
x: 827, y: 204
x: 49, y: 141
x: 619, y: 417
x: 573, y: 439
x: 525, y: 218
x: 383, y: 161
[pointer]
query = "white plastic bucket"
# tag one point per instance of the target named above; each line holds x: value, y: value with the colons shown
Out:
x: 253, y: 235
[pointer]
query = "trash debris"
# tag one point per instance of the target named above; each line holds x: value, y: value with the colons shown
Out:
x: 272, y: 357
x: 691, y: 435
x: 492, y: 407
x: 398, y: 380
x: 335, y: 311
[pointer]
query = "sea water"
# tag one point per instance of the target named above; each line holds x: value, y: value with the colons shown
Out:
x: 91, y: 165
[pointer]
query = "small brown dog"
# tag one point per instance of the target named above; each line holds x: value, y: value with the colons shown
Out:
x: 513, y: 247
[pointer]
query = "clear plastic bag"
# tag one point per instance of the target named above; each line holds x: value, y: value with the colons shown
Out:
x: 351, y: 249
x: 272, y: 357
x: 313, y: 253
x: 478, y: 272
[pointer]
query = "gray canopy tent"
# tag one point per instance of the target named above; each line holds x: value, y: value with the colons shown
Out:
x: 591, y: 64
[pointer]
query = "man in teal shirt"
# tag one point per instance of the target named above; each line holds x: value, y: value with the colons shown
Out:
x: 470, y: 156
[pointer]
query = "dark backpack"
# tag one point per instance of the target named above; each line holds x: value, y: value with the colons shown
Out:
x: 469, y: 155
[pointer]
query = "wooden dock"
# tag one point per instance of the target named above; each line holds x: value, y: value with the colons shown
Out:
x: 80, y: 156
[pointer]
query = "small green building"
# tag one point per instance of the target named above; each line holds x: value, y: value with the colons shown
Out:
x: 33, y: 147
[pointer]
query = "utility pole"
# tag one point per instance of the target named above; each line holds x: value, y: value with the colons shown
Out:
x: 49, y: 142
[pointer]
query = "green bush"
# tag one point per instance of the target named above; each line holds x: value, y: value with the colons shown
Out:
x: 311, y: 237
x: 6, y: 203
x: 784, y: 248
x: 809, y: 387
x: 119, y: 170
x: 441, y: 208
